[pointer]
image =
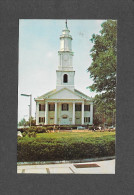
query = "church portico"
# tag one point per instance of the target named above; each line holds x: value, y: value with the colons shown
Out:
x: 70, y: 112
x: 65, y: 105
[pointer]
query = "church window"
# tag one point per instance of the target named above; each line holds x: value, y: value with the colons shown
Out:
x: 65, y: 107
x: 65, y: 78
x: 41, y: 119
x: 51, y: 107
x: 41, y: 107
x: 86, y: 119
x: 86, y: 107
x: 77, y: 107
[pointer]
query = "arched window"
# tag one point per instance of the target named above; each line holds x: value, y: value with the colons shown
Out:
x: 65, y: 78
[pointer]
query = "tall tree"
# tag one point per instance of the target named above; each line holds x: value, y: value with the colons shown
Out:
x: 23, y: 122
x: 103, y: 67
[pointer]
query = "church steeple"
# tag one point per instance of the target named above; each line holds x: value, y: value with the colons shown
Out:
x: 65, y: 52
x: 65, y: 60
x: 66, y: 24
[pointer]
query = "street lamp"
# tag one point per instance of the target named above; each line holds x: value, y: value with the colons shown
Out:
x: 30, y: 106
x: 29, y: 116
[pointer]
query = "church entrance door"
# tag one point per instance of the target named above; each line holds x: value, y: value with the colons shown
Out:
x: 65, y: 120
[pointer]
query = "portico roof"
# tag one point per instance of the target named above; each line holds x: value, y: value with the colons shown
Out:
x: 54, y: 94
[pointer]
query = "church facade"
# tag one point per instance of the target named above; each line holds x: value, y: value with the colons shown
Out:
x: 64, y: 105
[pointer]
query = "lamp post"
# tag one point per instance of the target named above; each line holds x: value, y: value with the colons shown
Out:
x: 29, y: 116
x: 30, y: 106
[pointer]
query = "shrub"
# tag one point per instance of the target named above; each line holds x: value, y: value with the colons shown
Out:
x: 91, y: 128
x: 32, y: 134
x: 19, y: 138
x: 24, y: 134
x: 63, y: 146
x: 50, y: 127
x: 45, y: 152
x: 31, y: 129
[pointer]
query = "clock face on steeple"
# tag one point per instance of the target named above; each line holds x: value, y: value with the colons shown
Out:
x: 65, y: 57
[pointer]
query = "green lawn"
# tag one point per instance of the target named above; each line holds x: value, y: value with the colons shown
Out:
x: 65, y: 146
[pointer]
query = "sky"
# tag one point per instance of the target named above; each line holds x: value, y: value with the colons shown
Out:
x: 39, y: 44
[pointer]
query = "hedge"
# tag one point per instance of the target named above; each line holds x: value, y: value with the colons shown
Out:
x: 44, y: 129
x: 36, y: 149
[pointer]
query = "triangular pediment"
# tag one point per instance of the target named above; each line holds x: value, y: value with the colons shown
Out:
x: 64, y: 94
x: 45, y: 95
x: 81, y: 94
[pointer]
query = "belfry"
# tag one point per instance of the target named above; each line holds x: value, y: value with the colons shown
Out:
x: 64, y: 105
x: 65, y: 72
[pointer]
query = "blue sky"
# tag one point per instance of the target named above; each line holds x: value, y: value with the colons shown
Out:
x: 38, y: 57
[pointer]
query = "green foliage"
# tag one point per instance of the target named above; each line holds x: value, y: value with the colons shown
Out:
x: 103, y: 70
x: 33, y: 121
x: 37, y: 129
x: 103, y: 112
x: 24, y: 134
x: 104, y: 56
x: 31, y: 134
x: 23, y: 122
x: 90, y: 127
x: 66, y: 146
x: 46, y: 129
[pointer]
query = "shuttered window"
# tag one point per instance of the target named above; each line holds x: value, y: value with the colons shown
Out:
x: 51, y: 107
x: 86, y: 119
x: 41, y: 107
x: 41, y: 119
x: 86, y: 107
x: 65, y: 107
x: 77, y: 107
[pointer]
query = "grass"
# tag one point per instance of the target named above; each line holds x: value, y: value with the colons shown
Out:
x: 73, y: 137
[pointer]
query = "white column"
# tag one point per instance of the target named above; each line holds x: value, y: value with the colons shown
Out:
x: 82, y: 117
x: 73, y: 113
x: 91, y: 113
x: 55, y: 118
x: 46, y: 113
x: 37, y: 113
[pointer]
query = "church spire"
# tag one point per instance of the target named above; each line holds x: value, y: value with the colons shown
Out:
x: 66, y: 24
x: 65, y: 73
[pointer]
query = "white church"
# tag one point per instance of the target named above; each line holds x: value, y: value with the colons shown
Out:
x: 64, y: 105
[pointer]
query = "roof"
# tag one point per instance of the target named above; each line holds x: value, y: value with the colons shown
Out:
x: 77, y: 92
x: 45, y: 95
x: 83, y: 95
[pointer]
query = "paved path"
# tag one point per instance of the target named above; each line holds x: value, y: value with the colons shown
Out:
x: 103, y: 167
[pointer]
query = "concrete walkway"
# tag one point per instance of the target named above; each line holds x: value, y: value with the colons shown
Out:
x: 98, y: 167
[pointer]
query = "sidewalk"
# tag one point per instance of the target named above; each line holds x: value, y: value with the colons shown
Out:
x: 97, y: 167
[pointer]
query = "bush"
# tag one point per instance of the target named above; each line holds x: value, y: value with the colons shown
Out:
x: 50, y: 127
x: 62, y: 147
x: 24, y: 134
x: 31, y: 134
x: 34, y: 129
x: 45, y: 152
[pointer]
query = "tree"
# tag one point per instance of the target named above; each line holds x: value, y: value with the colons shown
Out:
x: 33, y: 121
x: 103, y: 68
x: 23, y: 122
